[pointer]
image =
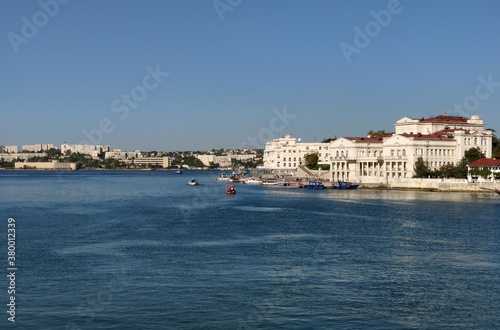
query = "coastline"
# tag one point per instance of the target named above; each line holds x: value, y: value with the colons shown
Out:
x: 430, y: 185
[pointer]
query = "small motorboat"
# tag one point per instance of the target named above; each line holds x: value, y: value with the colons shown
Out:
x: 178, y: 172
x: 193, y: 182
x: 315, y: 185
x: 223, y: 177
x: 283, y: 183
x: 230, y: 189
x: 345, y: 185
x: 296, y: 185
x: 270, y: 182
x: 253, y: 181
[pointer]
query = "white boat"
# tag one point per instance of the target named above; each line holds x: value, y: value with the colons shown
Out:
x: 270, y: 182
x: 223, y: 177
x: 253, y: 181
x: 193, y: 182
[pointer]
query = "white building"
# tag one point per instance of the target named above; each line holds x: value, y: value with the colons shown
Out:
x: 441, y: 140
x: 206, y: 159
x: 122, y: 155
x: 438, y: 140
x: 92, y: 150
x: 53, y: 165
x: 21, y: 156
x: 491, y: 164
x: 286, y: 154
x: 8, y: 149
x: 224, y: 161
x: 156, y: 161
x: 36, y: 147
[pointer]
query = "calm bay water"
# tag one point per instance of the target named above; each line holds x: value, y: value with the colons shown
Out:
x: 143, y: 250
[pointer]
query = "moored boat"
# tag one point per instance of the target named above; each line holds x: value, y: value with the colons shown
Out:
x: 345, y: 185
x: 253, y: 181
x: 223, y: 177
x: 270, y: 182
x: 315, y: 185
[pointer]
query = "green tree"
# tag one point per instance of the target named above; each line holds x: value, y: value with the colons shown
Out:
x: 471, y: 155
x: 53, y: 153
x: 421, y: 168
x: 311, y: 160
x: 495, y: 144
x: 213, y: 165
x: 484, y: 172
x: 329, y: 140
x: 474, y: 154
x: 461, y: 169
x: 377, y: 133
x: 447, y: 171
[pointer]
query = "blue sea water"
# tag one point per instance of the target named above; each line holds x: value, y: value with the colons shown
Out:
x: 143, y: 250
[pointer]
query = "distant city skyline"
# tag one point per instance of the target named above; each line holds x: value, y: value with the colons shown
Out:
x: 202, y: 75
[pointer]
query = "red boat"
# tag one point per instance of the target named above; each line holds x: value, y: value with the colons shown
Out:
x: 230, y: 189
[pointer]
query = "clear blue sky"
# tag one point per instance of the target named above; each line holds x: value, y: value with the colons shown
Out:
x: 228, y: 70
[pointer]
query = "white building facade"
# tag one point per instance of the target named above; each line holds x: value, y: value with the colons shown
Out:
x: 118, y: 154
x: 441, y: 140
x: 155, y: 161
x: 92, y: 150
x: 286, y: 154
x: 37, y: 147
x: 8, y: 149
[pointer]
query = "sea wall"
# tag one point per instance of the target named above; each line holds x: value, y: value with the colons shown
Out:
x: 442, y: 184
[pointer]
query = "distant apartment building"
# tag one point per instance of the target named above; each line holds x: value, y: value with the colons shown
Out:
x: 154, y: 161
x: 440, y: 140
x: 206, y: 159
x: 8, y: 149
x: 92, y: 150
x: 37, y: 147
x: 122, y: 155
x: 9, y: 157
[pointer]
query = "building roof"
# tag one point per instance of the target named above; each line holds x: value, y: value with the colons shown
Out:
x: 444, y: 119
x: 485, y: 162
x: 371, y: 139
x: 437, y: 136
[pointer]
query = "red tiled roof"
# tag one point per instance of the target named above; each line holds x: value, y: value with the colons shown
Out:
x: 439, y: 135
x: 371, y: 139
x: 485, y: 162
x: 444, y: 119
